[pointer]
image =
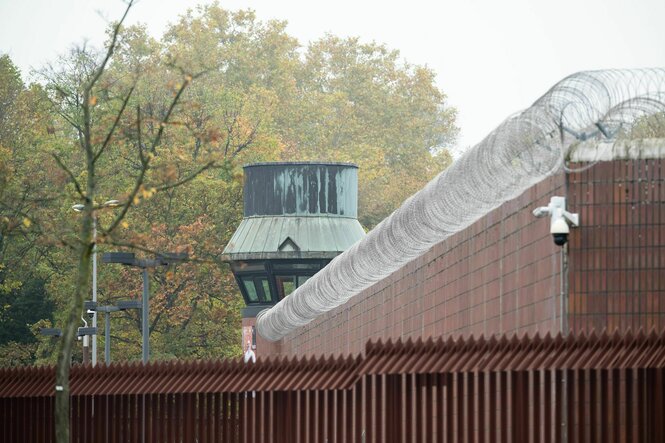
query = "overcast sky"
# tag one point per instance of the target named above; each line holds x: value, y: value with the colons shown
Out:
x: 492, y: 57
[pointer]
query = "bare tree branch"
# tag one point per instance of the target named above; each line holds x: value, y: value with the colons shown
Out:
x: 64, y: 167
x: 139, y: 141
x: 189, y: 178
x: 107, y: 140
x: 249, y: 141
x: 110, y: 50
x: 146, y: 160
x: 137, y: 183
x: 165, y: 120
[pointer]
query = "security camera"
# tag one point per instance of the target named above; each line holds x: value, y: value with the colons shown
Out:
x: 559, y: 230
x: 560, y: 219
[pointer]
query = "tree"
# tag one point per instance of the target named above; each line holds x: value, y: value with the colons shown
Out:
x: 651, y: 126
x: 93, y: 121
x: 335, y: 100
x: 24, y: 125
x: 264, y: 98
x: 360, y: 103
x: 20, y: 308
x: 102, y: 127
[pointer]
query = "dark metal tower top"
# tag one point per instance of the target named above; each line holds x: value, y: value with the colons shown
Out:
x: 298, y: 217
x: 301, y: 188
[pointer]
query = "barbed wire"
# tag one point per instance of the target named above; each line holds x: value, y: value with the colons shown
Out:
x: 526, y: 148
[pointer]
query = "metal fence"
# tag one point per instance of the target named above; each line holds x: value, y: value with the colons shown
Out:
x: 541, y: 389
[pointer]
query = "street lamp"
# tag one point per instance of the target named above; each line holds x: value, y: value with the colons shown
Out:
x: 79, y: 208
x: 122, y: 305
x: 51, y: 332
x: 128, y: 259
x: 81, y: 333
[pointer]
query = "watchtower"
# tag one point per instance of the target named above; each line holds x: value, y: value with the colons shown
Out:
x: 297, y: 217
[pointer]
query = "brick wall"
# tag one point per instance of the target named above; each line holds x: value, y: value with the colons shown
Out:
x: 503, y: 274
x: 617, y: 264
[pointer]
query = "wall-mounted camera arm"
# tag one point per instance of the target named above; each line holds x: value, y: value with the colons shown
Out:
x: 560, y: 219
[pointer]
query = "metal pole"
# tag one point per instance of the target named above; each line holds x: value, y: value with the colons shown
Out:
x: 86, y: 350
x: 107, y: 339
x: 564, y: 290
x: 94, y: 287
x: 146, y: 332
x: 86, y: 345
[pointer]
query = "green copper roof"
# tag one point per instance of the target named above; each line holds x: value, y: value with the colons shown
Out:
x: 287, y: 237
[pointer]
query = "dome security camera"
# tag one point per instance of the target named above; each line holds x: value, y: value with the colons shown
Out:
x: 559, y: 230
x: 560, y: 219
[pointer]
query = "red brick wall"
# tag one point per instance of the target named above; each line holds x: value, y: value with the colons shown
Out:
x: 617, y: 264
x: 263, y: 348
x: 503, y: 274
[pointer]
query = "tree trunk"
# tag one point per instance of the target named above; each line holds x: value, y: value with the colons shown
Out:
x: 68, y: 340
x: 86, y: 245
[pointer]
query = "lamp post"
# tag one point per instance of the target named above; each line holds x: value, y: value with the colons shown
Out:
x: 81, y: 333
x: 86, y: 343
x: 79, y: 208
x: 51, y: 332
x: 121, y: 306
x: 128, y: 259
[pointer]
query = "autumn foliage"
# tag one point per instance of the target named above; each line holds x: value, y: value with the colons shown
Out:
x: 246, y: 92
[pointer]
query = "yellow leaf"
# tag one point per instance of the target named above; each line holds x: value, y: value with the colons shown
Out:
x: 136, y: 199
x: 26, y: 222
x: 125, y: 224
